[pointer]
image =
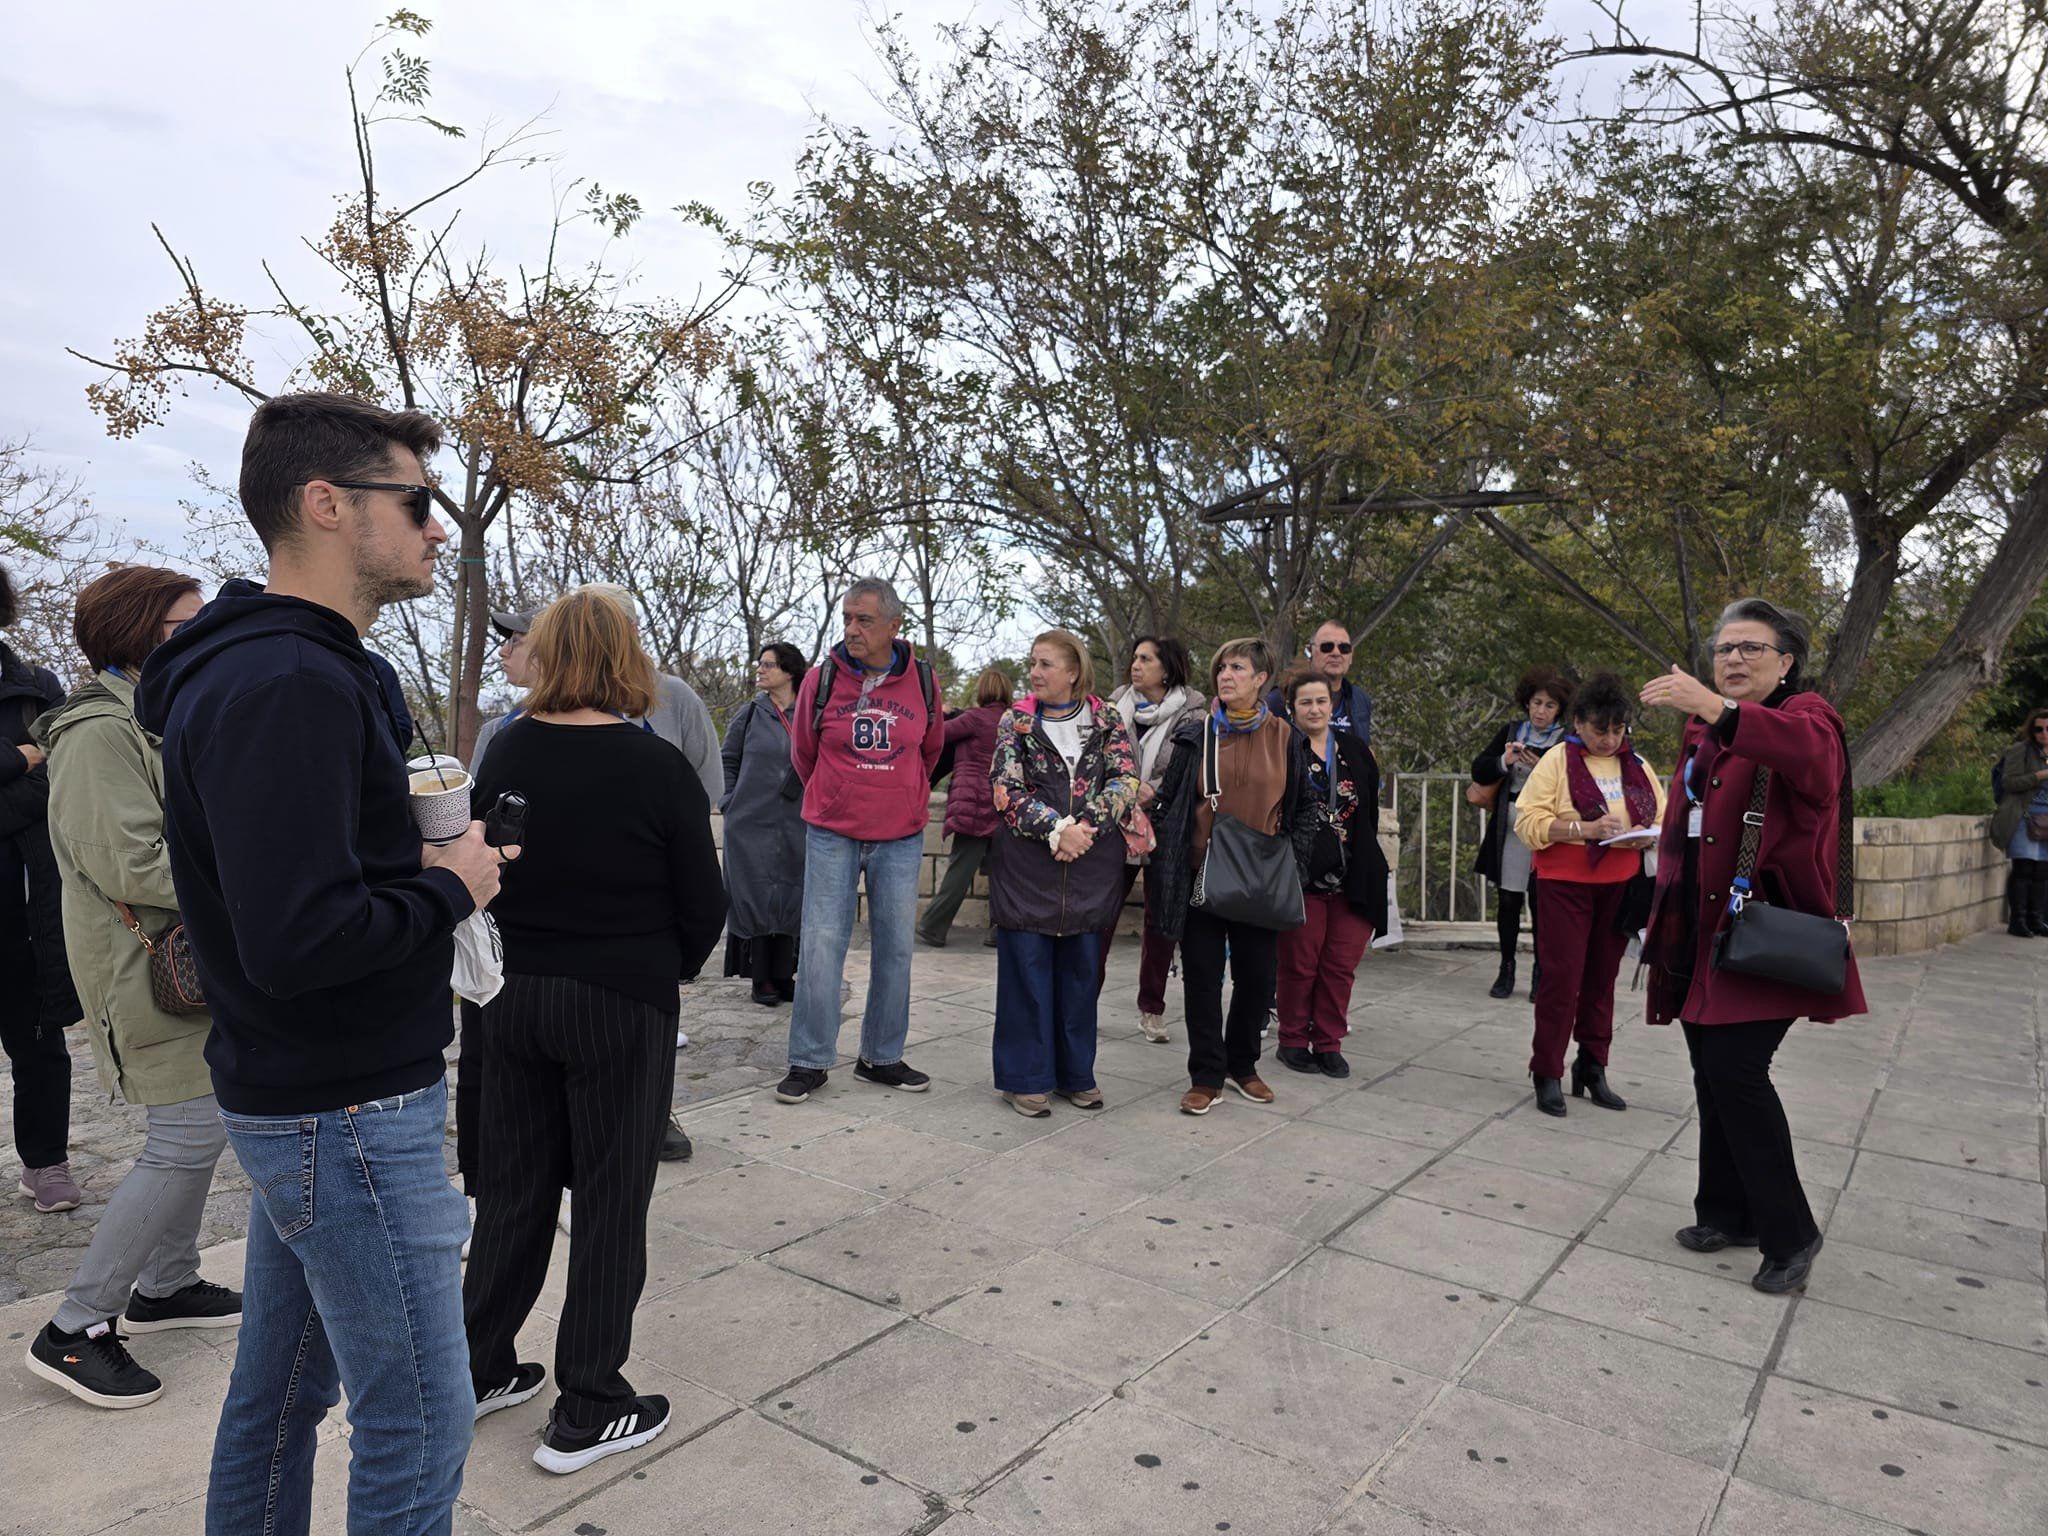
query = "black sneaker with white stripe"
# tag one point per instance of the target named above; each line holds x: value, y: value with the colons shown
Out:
x: 565, y: 1448
x: 527, y: 1379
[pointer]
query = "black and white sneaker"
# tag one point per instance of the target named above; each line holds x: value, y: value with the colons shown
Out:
x: 898, y: 1074
x: 564, y: 1448
x: 801, y: 1083
x: 527, y: 1379
x: 94, y: 1367
x: 202, y: 1304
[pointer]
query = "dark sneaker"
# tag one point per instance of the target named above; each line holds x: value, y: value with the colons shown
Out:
x: 94, y: 1367
x: 1779, y: 1276
x: 564, y: 1448
x: 801, y: 1083
x: 202, y: 1304
x: 527, y: 1380
x: 1297, y: 1058
x: 1332, y: 1064
x: 675, y: 1145
x: 897, y: 1074
x: 1711, y: 1239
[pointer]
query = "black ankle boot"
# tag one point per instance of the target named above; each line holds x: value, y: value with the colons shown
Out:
x: 1504, y: 983
x: 1589, y: 1077
x: 2037, y: 900
x: 2019, y: 899
x: 1550, y: 1095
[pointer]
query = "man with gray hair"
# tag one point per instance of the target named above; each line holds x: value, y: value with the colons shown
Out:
x: 867, y: 732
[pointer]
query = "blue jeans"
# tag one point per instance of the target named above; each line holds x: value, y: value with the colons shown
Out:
x: 1045, y: 1011
x: 832, y: 869
x: 354, y: 1280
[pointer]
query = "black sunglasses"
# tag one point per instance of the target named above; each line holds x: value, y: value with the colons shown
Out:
x: 418, y: 500
x: 1341, y: 647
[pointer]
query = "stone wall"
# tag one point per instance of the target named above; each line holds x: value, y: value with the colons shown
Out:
x: 1925, y: 881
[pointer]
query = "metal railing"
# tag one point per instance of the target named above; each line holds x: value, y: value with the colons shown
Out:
x: 1440, y: 838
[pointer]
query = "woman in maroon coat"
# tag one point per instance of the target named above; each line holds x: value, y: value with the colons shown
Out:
x: 971, y: 819
x: 1756, y: 717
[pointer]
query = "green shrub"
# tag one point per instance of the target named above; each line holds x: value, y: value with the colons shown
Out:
x: 1956, y: 792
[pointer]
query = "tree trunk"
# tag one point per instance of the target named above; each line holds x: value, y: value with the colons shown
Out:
x: 1870, y: 594
x: 1968, y: 658
x: 472, y: 629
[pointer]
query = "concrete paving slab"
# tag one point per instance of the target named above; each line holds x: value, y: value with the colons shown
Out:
x: 1989, y: 1196
x: 881, y: 1158
x: 673, y: 1258
x: 1382, y: 1114
x: 1646, y: 1228
x: 1508, y: 1194
x: 1938, y: 1237
x: 1946, y: 1114
x: 749, y: 1475
x: 1387, y: 1313
x: 1649, y: 1393
x: 1650, y: 1130
x: 902, y: 1257
x: 1176, y: 1240
x: 2023, y: 1095
x: 1126, y: 1469
x: 1453, y: 1245
x: 1665, y: 1304
x: 1675, y: 1180
x: 755, y: 1123
x: 1893, y: 1465
x: 760, y: 1207
x: 1496, y: 1469
x: 1963, y: 1381
x: 753, y: 1328
x: 1021, y: 1201
x: 1452, y: 1090
x: 1307, y: 1179
x: 980, y: 1119
x: 1954, y: 1149
x: 1332, y: 1411
x: 1983, y: 1306
x: 1076, y: 1318
x: 1584, y: 1159
x: 1749, y: 1509
x: 938, y: 1411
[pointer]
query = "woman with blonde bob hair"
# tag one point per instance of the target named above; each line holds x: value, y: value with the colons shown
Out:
x: 1065, y: 779
x: 616, y: 896
x: 971, y: 819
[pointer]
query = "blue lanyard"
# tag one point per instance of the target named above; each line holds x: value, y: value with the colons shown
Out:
x: 1690, y: 758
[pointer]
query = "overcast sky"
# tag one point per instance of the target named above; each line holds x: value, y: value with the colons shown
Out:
x: 226, y: 125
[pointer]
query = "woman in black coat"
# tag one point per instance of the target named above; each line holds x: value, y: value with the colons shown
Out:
x: 1544, y: 695
x: 36, y: 999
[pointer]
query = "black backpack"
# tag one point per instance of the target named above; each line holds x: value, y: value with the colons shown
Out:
x: 926, y: 685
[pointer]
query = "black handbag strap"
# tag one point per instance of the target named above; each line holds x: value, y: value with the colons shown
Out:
x: 1744, y: 882
x: 1211, y: 777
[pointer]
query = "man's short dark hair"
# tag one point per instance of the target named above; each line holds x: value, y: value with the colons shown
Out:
x: 296, y: 438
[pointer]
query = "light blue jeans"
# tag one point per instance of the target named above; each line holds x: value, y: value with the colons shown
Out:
x: 353, y: 1279
x: 833, y: 866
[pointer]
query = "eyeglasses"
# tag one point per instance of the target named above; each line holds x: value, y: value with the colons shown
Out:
x: 1341, y: 647
x: 418, y: 500
x: 1748, y: 650
x: 2041, y: 730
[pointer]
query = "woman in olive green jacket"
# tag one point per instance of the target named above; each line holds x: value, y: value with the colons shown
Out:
x: 141, y: 1272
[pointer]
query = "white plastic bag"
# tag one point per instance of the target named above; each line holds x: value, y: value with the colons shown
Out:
x: 479, y: 958
x: 1391, y: 939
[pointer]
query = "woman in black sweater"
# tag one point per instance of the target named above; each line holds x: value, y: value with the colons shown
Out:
x: 1544, y: 695
x: 615, y: 898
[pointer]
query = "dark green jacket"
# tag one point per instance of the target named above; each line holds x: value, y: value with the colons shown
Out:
x: 2016, y: 769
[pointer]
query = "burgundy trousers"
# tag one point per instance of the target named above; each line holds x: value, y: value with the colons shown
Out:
x: 1318, y: 962
x: 1579, y: 953
x: 1155, y: 953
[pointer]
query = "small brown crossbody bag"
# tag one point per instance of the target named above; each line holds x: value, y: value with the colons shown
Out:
x: 173, y: 973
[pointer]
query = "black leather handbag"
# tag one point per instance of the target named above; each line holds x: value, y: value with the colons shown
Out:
x: 1247, y: 877
x: 1776, y: 943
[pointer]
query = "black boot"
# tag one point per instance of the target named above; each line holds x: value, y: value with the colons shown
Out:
x: 1589, y: 1077
x: 1508, y: 925
x: 2037, y: 900
x: 2019, y: 898
x: 1550, y: 1095
x: 1504, y: 983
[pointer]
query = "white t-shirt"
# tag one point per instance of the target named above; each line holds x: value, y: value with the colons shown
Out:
x: 1065, y: 736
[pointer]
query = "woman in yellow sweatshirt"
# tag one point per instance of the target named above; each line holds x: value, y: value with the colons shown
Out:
x: 1587, y: 789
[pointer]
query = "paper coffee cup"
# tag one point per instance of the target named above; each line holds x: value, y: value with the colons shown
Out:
x: 440, y: 802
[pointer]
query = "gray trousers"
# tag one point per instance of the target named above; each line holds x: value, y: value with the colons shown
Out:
x: 148, y: 1236
x: 965, y: 859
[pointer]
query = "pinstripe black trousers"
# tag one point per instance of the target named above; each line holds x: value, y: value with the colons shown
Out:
x: 575, y: 1093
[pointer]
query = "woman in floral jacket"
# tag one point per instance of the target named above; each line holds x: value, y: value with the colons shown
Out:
x: 1065, y: 779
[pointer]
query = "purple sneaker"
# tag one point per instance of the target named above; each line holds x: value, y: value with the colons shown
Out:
x: 52, y: 1188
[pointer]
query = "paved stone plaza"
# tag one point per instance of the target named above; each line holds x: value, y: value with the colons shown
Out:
x: 1400, y: 1305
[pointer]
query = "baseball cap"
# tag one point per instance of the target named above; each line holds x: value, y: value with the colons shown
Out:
x: 513, y: 621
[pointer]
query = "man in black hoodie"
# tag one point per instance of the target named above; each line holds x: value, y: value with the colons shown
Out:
x: 323, y: 931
